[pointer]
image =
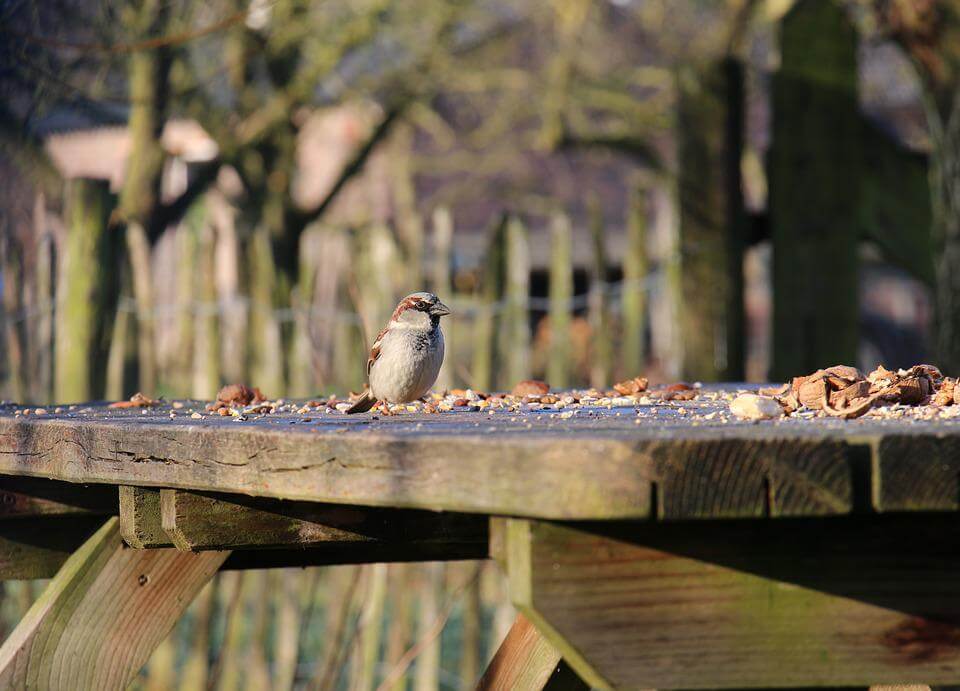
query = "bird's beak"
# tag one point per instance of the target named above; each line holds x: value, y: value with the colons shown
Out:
x: 439, y: 310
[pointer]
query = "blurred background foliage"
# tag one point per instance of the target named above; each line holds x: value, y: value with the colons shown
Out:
x: 200, y: 193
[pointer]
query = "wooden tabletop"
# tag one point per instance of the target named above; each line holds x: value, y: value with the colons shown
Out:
x: 665, y: 460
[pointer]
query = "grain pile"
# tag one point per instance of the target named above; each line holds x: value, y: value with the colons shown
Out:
x: 841, y: 392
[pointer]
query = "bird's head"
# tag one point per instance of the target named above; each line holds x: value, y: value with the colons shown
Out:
x: 420, y: 308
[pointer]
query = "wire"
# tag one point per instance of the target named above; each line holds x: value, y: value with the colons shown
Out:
x: 461, y: 309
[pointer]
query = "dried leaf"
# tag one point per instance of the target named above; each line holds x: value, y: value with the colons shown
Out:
x: 631, y: 386
x: 859, y: 408
x: 236, y: 395
x: 813, y: 392
x: 530, y: 387
x: 844, y: 397
x: 947, y: 391
x: 881, y: 378
x: 774, y: 390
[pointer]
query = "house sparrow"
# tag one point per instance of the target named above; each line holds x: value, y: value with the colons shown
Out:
x: 406, y: 357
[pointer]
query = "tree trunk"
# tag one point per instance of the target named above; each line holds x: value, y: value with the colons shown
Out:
x: 485, y: 361
x: 633, y: 357
x: 427, y: 673
x: 45, y: 294
x: 559, y: 361
x: 148, y: 74
x: 206, y: 351
x: 945, y: 190
x: 86, y: 293
x: 15, y: 321
x: 601, y: 351
x: 710, y: 119
x: 515, y: 330
x: 814, y: 193
x: 266, y: 366
x: 141, y: 274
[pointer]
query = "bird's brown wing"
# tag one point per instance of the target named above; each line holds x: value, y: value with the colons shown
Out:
x: 375, y: 350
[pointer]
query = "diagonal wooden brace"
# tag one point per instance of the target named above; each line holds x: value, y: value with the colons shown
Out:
x: 102, y: 615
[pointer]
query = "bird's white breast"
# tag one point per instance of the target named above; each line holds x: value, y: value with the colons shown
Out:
x: 408, y: 364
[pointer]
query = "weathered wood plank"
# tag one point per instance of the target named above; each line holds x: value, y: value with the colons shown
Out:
x: 204, y: 521
x: 102, y: 614
x: 140, y: 523
x: 37, y: 548
x: 601, y: 464
x: 848, y: 601
x: 24, y: 497
x: 526, y: 661
x: 917, y: 473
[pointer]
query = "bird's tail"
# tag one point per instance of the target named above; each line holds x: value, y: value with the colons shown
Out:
x: 363, y: 404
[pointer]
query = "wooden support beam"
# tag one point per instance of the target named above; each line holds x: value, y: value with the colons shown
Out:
x: 206, y: 521
x: 140, y: 524
x: 526, y: 661
x: 61, y: 517
x: 102, y: 614
x: 849, y: 601
x: 25, y: 497
x: 38, y: 547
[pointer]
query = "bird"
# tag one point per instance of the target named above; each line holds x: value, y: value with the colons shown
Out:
x: 406, y: 356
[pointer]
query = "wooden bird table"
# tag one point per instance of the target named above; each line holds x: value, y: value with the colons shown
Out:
x: 658, y: 546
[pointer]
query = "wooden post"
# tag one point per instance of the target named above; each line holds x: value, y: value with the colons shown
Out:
x: 287, y: 595
x: 349, y: 347
x: 266, y: 369
x: 301, y: 380
x: 45, y: 282
x: 443, y: 287
x: 371, y: 628
x: 180, y: 372
x: 559, y: 365
x: 86, y: 293
x: 485, y: 359
x: 601, y: 353
x: 13, y: 305
x: 140, y: 518
x: 102, y: 614
x: 400, y: 626
x: 408, y: 221
x: 233, y: 322
x: 141, y: 278
x: 121, y: 356
x: 710, y: 120
x: 634, y: 300
x: 526, y: 660
x: 226, y: 674
x: 814, y: 197
x: 471, y: 623
x: 206, y: 336
x: 427, y: 673
x: 516, y: 314
x: 851, y: 608
x: 254, y: 665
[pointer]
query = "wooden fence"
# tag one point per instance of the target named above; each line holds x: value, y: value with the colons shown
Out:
x: 206, y: 306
